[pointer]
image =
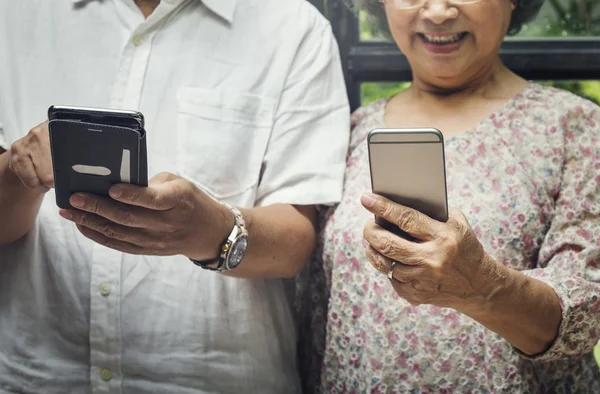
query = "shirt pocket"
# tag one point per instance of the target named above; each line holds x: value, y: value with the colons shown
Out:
x: 222, y: 137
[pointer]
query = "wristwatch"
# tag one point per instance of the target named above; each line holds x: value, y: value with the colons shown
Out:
x: 233, y: 249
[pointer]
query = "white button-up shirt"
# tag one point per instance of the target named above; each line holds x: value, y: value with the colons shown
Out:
x: 244, y: 98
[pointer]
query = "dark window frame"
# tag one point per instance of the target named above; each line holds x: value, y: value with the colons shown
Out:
x: 533, y: 59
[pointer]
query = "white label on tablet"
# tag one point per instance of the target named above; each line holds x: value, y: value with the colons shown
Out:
x: 126, y: 166
x: 91, y: 170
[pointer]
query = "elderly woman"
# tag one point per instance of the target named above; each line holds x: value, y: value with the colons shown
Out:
x: 503, y: 297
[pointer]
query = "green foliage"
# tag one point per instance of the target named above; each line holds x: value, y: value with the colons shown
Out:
x: 566, y: 18
x: 370, y: 92
x: 586, y: 89
x: 367, y: 31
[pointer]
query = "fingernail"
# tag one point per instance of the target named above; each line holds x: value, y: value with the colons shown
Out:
x: 77, y: 200
x: 65, y: 213
x: 116, y: 191
x: 368, y: 199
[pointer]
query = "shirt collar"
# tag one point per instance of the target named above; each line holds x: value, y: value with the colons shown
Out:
x: 224, y: 8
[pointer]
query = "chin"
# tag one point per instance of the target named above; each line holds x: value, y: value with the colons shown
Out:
x: 445, y: 82
x: 443, y: 76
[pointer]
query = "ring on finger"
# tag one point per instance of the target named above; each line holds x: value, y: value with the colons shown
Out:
x: 390, y: 273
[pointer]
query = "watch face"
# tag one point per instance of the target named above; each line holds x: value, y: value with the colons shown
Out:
x: 238, y: 250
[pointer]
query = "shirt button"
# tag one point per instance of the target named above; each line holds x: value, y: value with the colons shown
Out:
x: 137, y: 40
x: 105, y: 289
x: 106, y: 374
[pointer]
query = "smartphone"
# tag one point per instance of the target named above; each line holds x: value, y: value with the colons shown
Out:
x: 408, y: 167
x: 95, y: 148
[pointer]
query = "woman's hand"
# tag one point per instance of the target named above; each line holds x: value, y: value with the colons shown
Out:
x: 446, y: 265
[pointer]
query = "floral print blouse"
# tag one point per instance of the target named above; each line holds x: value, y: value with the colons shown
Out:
x: 528, y: 180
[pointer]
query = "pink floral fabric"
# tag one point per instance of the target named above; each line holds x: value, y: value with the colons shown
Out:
x: 528, y: 180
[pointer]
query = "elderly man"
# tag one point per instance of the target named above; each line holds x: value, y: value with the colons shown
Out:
x: 179, y: 287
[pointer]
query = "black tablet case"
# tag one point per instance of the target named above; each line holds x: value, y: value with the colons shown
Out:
x: 92, y: 144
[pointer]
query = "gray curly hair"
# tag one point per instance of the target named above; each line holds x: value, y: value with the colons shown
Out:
x: 525, y: 11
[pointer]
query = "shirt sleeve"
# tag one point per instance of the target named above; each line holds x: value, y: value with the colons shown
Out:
x: 3, y: 143
x: 569, y: 258
x: 305, y: 160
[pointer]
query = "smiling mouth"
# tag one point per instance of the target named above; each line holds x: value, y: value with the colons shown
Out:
x: 442, y: 40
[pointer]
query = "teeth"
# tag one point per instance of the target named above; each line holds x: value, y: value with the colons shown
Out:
x: 442, y: 39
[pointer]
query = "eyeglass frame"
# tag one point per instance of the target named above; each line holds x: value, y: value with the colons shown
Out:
x: 452, y: 2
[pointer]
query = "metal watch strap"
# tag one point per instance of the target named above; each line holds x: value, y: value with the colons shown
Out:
x: 238, y: 227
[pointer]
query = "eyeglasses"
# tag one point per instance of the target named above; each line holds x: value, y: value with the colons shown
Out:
x: 413, y: 4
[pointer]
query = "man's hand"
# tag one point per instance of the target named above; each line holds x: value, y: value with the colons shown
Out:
x: 169, y: 217
x: 30, y: 160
